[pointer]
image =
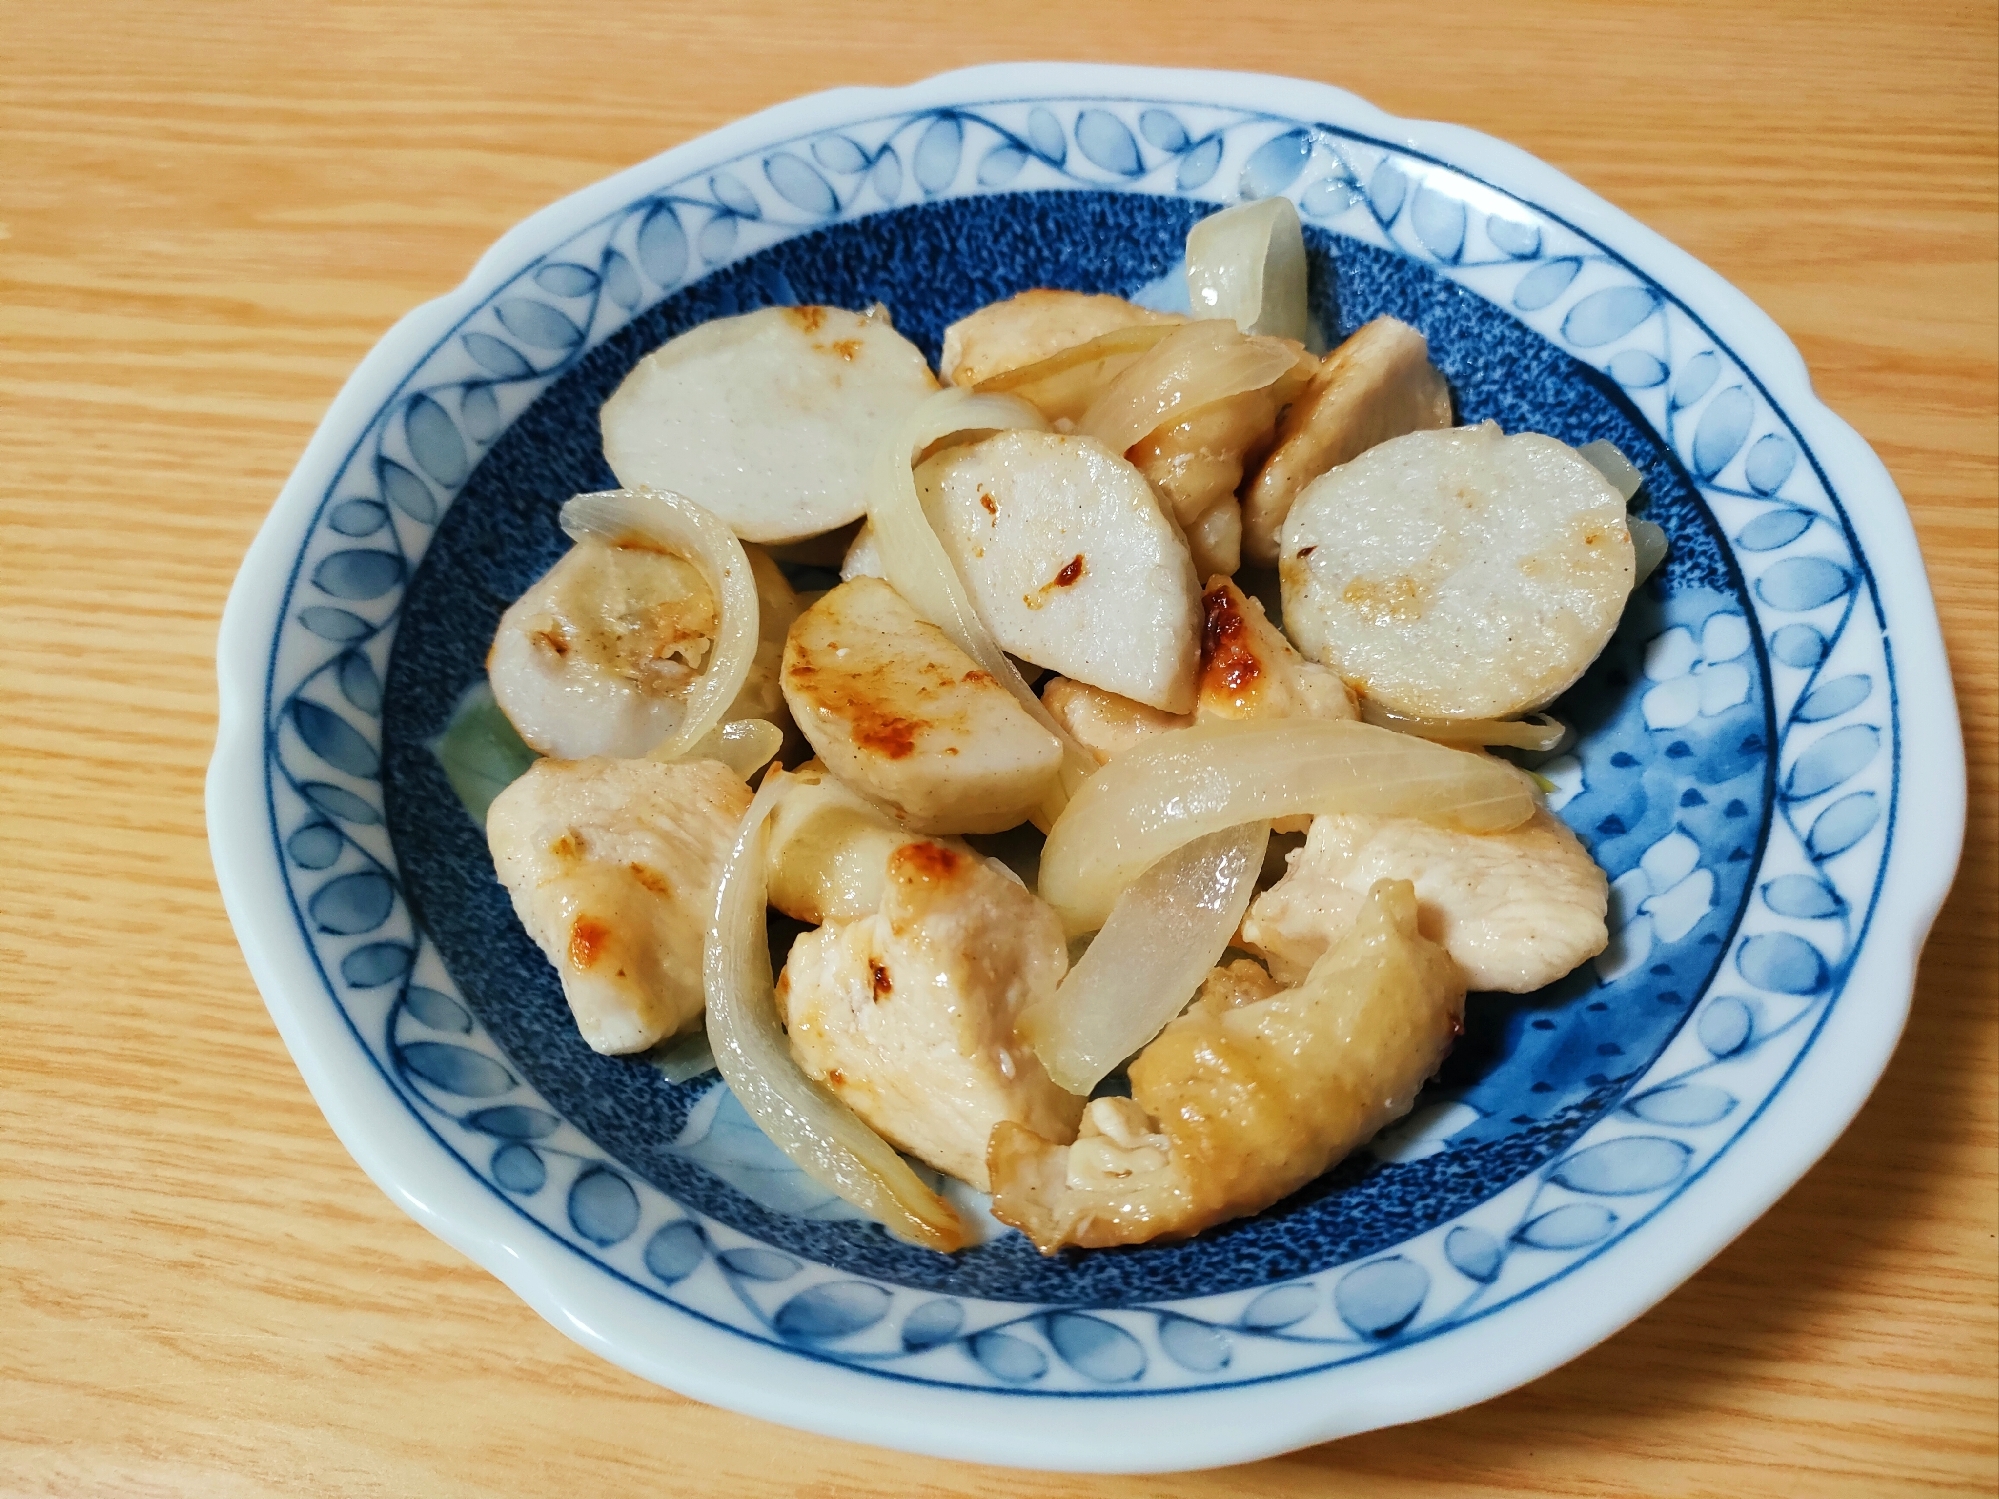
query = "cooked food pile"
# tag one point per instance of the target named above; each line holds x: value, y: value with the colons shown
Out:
x: 1276, y: 854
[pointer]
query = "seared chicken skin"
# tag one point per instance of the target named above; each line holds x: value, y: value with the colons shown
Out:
x: 612, y: 867
x: 907, y: 1013
x: 1517, y: 910
x: 1247, y: 1096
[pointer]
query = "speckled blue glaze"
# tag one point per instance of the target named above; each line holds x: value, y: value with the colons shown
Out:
x: 1731, y: 774
x: 930, y: 266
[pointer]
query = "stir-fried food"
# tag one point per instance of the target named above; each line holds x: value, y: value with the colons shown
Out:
x: 908, y: 1012
x: 1516, y: 910
x: 1458, y: 573
x: 1248, y: 1095
x: 612, y: 867
x: 1045, y: 508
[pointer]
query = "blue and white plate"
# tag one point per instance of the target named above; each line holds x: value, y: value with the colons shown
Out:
x: 1769, y: 767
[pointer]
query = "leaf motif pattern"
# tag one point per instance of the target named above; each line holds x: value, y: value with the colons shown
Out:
x: 376, y: 964
x: 831, y: 1309
x: 603, y: 1208
x: 1107, y: 143
x: 543, y: 323
x: 441, y: 1013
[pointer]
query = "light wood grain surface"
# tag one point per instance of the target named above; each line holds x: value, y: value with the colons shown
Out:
x: 208, y: 213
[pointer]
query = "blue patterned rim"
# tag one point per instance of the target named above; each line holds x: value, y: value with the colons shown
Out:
x: 1757, y: 672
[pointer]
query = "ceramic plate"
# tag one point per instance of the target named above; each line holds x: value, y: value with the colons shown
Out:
x: 1769, y: 768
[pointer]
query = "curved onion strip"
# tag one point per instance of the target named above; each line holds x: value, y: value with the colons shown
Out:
x: 1177, y: 787
x: 678, y: 525
x: 1648, y: 546
x: 745, y: 745
x: 1248, y: 264
x: 1535, y: 732
x: 1064, y: 384
x: 921, y: 570
x: 1163, y: 935
x: 1609, y: 460
x: 802, y: 1118
x: 1195, y: 365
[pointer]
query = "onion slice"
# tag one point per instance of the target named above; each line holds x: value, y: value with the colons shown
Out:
x: 1537, y: 731
x: 1648, y: 548
x: 1064, y: 384
x: 1648, y: 538
x: 803, y: 1118
x: 1195, y: 365
x: 674, y: 523
x: 745, y: 745
x: 1162, y: 937
x: 1609, y: 460
x: 1248, y: 264
x: 1168, y: 791
x: 918, y: 567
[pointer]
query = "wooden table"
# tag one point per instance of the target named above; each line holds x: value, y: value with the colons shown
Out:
x: 208, y: 213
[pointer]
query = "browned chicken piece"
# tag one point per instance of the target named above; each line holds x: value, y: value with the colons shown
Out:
x: 1196, y: 464
x: 1033, y: 326
x: 908, y: 1013
x: 1376, y: 385
x: 1249, y: 670
x: 612, y: 867
x: 892, y: 706
x: 829, y: 849
x: 1516, y: 910
x: 1103, y: 723
x: 1245, y: 1097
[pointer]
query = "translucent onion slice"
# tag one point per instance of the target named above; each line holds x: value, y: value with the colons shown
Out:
x: 1609, y: 460
x: 1064, y: 384
x: 1648, y: 548
x: 1536, y: 731
x: 802, y: 1117
x: 745, y: 745
x: 1195, y: 365
x: 918, y: 567
x: 1161, y: 938
x: 1248, y: 264
x: 1648, y: 539
x: 1168, y: 791
x: 676, y: 524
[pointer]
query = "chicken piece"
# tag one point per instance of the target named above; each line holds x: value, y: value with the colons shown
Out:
x: 1249, y: 670
x: 1033, y: 326
x: 1243, y: 982
x: 898, y: 711
x: 908, y: 1013
x: 1103, y: 723
x: 772, y: 419
x: 1070, y: 561
x: 612, y: 866
x: 1376, y: 385
x: 829, y: 849
x: 1195, y: 466
x: 1516, y: 910
x: 1459, y: 574
x: 1244, y: 1099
